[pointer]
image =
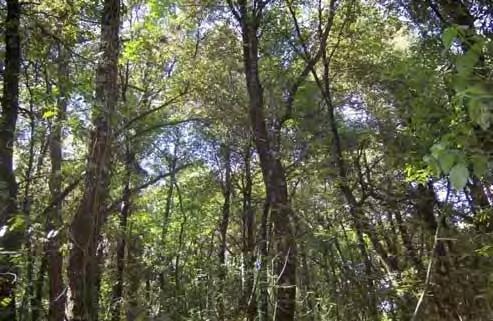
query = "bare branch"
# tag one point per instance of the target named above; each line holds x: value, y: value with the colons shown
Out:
x: 114, y: 205
x: 234, y: 10
x: 167, y: 124
x: 339, y: 36
x: 61, y: 196
x: 259, y: 7
x: 153, y: 110
x: 311, y: 60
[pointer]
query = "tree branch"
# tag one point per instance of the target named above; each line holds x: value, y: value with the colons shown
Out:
x: 153, y: 110
x: 62, y: 195
x: 166, y: 124
x: 310, y: 61
x: 114, y: 205
x: 234, y: 10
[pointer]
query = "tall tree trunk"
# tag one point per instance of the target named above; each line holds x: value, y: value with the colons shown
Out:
x: 283, y: 238
x: 223, y: 228
x: 135, y: 310
x: 164, y: 232
x: 407, y: 241
x: 249, y: 298
x: 262, y: 265
x: 26, y: 212
x: 86, y: 225
x: 307, y: 285
x: 444, y: 302
x: 181, y: 236
x: 11, y: 241
x: 57, y: 291
x: 117, y: 290
x: 360, y: 222
x: 38, y: 289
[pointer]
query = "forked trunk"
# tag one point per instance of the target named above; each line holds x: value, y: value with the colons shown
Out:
x: 273, y: 175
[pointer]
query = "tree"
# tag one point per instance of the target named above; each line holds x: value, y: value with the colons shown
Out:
x: 86, y: 224
x: 246, y: 160
x: 11, y: 232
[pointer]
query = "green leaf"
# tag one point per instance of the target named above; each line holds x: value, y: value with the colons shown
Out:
x: 49, y: 113
x: 476, y: 90
x: 433, y: 165
x: 443, y: 156
x: 479, y: 165
x: 446, y: 160
x: 17, y: 223
x: 458, y: 176
x: 466, y: 63
x: 449, y: 36
x: 5, y: 302
x: 479, y: 113
x: 437, y: 150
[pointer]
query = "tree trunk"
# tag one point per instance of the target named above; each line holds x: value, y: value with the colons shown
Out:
x: 135, y: 311
x: 261, y: 266
x: 249, y: 299
x: 223, y: 228
x: 28, y: 244
x: 38, y: 289
x: 164, y: 232
x: 307, y: 286
x: 117, y: 290
x: 273, y: 174
x: 359, y: 220
x: 85, y: 227
x: 57, y: 291
x: 11, y: 241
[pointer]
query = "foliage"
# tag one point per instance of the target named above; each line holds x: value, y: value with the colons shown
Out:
x: 384, y: 142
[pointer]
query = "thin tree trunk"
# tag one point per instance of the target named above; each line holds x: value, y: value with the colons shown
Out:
x: 121, y: 246
x: 33, y: 293
x: 135, y: 311
x: 408, y: 244
x: 38, y: 289
x: 26, y: 211
x: 223, y: 228
x: 164, y: 232
x: 359, y: 220
x: 86, y: 224
x: 249, y: 298
x: 11, y: 241
x: 307, y: 284
x: 117, y: 290
x: 57, y: 290
x: 181, y: 236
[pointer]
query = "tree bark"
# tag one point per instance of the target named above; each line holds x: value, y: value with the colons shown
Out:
x: 164, y: 231
x: 11, y: 241
x: 262, y: 265
x: 135, y: 271
x: 32, y: 306
x: 223, y: 228
x: 249, y: 299
x: 86, y: 225
x: 273, y: 173
x: 57, y: 291
x: 117, y: 290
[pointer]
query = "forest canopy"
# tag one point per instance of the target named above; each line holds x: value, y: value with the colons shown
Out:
x: 253, y: 160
